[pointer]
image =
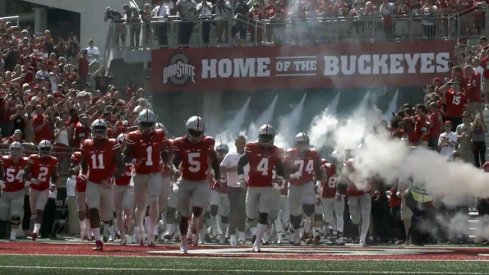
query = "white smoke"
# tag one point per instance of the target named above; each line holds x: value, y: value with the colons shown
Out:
x: 265, y: 117
x: 288, y: 125
x: 323, y: 125
x: 234, y: 126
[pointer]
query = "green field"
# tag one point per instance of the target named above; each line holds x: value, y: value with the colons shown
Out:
x: 16, y: 264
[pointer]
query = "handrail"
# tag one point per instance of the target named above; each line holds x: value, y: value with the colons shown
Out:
x: 8, y: 18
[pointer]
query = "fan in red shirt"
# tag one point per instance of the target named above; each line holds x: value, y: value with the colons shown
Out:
x: 146, y: 147
x: 421, y: 125
x: 332, y: 201
x: 12, y: 187
x: 473, y: 90
x: 42, y: 129
x: 192, y: 154
x: 304, y: 163
x: 263, y: 158
x: 101, y: 160
x: 40, y: 171
x: 455, y: 101
x: 81, y: 131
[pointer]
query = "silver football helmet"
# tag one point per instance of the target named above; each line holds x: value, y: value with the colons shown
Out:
x: 195, y: 129
x: 266, y: 135
x: 146, y: 121
x: 99, y: 129
x: 45, y: 148
x: 15, y: 149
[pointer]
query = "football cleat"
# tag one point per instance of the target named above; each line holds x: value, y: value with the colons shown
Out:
x: 317, y: 239
x: 184, y: 245
x: 222, y: 239
x: 233, y: 240
x: 99, y: 245
x: 34, y: 236
x: 241, y: 237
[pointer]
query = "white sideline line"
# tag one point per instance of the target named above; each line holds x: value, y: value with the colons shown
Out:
x: 229, y: 270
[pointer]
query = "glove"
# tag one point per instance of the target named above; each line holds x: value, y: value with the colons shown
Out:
x: 2, y: 184
x: 296, y: 175
x: 317, y: 187
x: 175, y: 188
x: 35, y: 181
x: 52, y: 187
x: 242, y: 181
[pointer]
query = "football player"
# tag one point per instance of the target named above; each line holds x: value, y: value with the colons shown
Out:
x: 219, y: 199
x: 81, y: 198
x: 147, y: 147
x: 332, y: 201
x: 12, y: 188
x: 304, y: 164
x: 359, y: 200
x: 263, y: 158
x: 101, y: 156
x: 42, y: 173
x: 124, y: 197
x: 166, y: 183
x: 193, y: 152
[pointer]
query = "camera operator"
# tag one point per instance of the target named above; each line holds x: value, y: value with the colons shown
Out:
x: 133, y: 18
x: 119, y: 29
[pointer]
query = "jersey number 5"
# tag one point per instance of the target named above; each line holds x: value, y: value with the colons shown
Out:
x: 193, y: 162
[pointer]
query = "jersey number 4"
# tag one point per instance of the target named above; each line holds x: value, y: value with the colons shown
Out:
x: 263, y: 167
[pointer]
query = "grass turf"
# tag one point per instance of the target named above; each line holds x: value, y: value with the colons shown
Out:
x: 18, y: 264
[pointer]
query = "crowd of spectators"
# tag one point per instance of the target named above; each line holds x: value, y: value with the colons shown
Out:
x: 388, y: 17
x: 47, y: 92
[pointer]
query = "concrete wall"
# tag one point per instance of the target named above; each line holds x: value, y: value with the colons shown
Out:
x: 91, y: 16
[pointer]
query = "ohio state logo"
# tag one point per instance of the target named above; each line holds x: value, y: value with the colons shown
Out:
x: 179, y: 72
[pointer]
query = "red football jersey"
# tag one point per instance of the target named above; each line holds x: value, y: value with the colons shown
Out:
x: 146, y: 150
x: 100, y: 158
x: 194, y: 157
x: 455, y: 103
x: 125, y: 179
x: 262, y: 161
x: 42, y: 169
x: 13, y: 173
x: 329, y: 186
x: 303, y: 163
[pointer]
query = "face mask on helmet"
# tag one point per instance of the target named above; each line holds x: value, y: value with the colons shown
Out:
x: 194, y: 136
x: 266, y: 139
x: 99, y: 132
x: 45, y: 151
x: 146, y: 127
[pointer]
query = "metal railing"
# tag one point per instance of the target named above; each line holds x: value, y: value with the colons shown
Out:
x: 12, y: 19
x: 173, y: 32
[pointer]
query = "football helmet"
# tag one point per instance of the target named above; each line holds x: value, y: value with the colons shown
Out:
x: 195, y: 129
x: 45, y: 148
x: 99, y: 129
x: 222, y: 149
x: 266, y: 135
x: 302, y: 141
x: 15, y: 149
x: 161, y: 126
x: 121, y: 137
x: 146, y: 121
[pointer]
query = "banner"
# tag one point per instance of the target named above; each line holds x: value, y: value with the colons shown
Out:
x: 347, y: 65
